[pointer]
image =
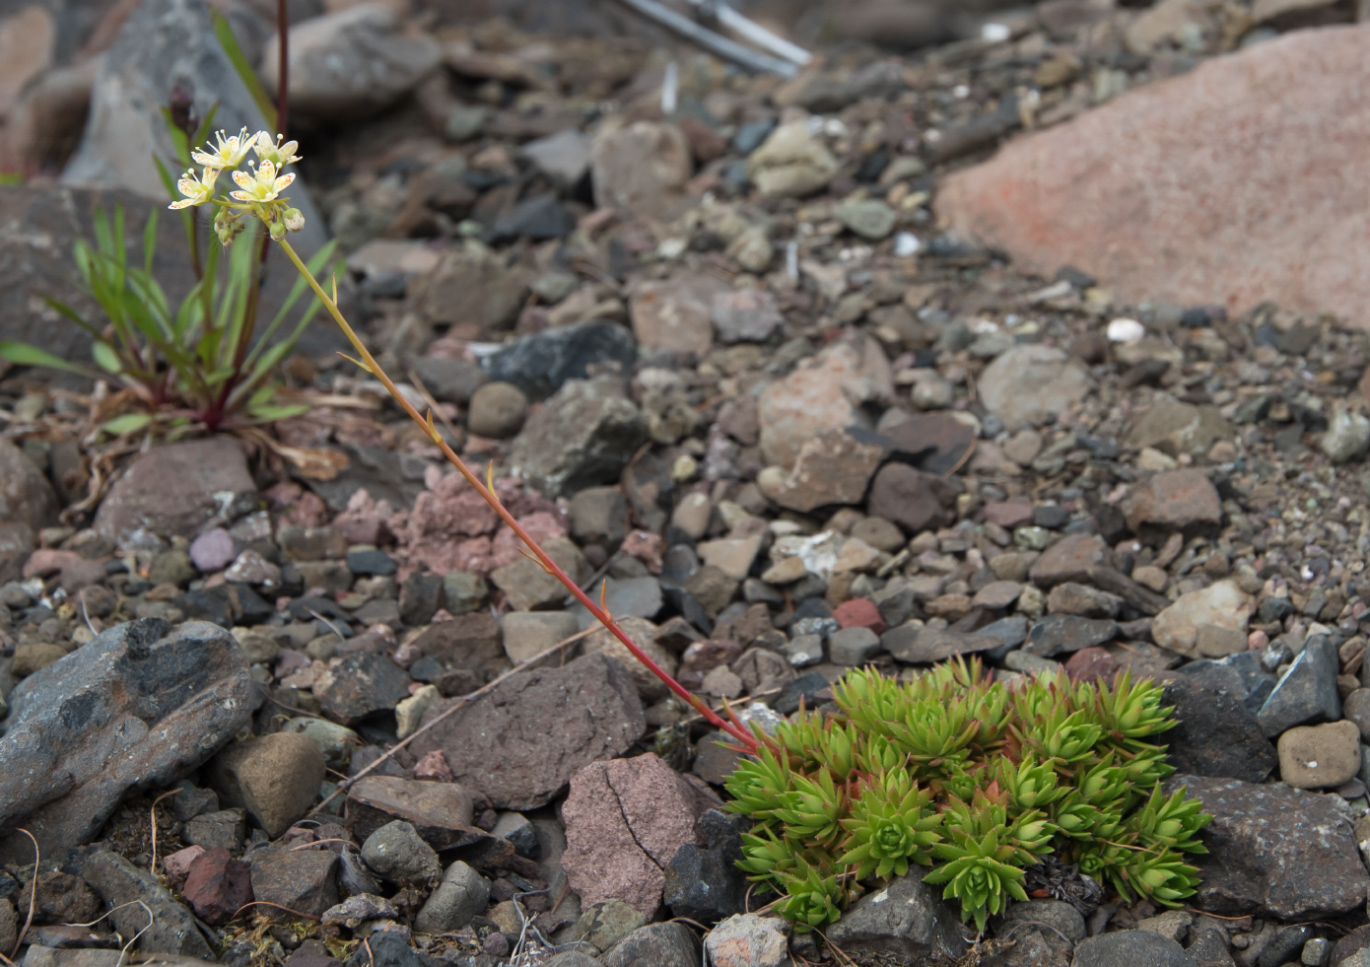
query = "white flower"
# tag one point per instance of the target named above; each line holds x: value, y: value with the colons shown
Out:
x: 262, y: 187
x: 197, y: 189
x: 278, y: 154
x: 230, y: 152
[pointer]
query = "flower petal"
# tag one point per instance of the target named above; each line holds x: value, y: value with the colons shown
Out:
x: 243, y: 180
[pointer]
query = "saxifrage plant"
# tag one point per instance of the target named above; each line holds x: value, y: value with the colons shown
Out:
x: 977, y: 780
x: 202, y: 364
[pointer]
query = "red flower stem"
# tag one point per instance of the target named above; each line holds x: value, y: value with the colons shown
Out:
x: 551, y: 566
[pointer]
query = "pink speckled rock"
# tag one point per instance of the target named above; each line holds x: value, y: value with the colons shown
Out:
x: 625, y: 819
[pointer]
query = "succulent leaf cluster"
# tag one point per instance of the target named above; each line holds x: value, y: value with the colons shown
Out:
x: 978, y: 780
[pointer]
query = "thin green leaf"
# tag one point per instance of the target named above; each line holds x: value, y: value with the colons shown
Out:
x: 106, y: 358
x: 270, y: 414
x: 150, y: 240
x: 240, y: 63
x: 71, y: 315
x: 178, y: 138
x: 23, y: 354
x: 128, y: 423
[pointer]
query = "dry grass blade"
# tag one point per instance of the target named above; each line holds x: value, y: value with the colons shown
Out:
x: 33, y: 893
x: 152, y: 867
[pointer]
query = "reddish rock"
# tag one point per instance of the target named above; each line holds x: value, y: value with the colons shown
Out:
x: 1091, y: 664
x: 1169, y: 192
x: 625, y: 820
x: 433, y: 766
x: 302, y: 880
x: 217, y: 886
x: 832, y: 468
x: 47, y: 561
x: 1173, y: 501
x: 642, y: 168
x: 440, y: 812
x: 676, y: 314
x: 703, y: 657
x: 860, y: 613
x: 1009, y: 513
x: 823, y: 393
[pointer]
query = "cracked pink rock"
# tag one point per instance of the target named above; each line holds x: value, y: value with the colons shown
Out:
x: 625, y: 819
x: 647, y: 547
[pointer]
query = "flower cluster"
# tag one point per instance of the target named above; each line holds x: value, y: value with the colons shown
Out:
x: 259, y: 188
x: 978, y: 780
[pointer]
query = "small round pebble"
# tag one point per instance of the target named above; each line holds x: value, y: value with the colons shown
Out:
x: 497, y: 411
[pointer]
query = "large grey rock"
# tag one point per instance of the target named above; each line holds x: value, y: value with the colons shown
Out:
x: 398, y: 853
x: 522, y: 743
x: 1307, y: 692
x: 27, y: 500
x: 1274, y: 851
x: 906, y: 920
x: 350, y: 64
x: 165, y: 43
x: 178, y: 489
x: 172, y: 929
x: 585, y: 435
x: 133, y: 709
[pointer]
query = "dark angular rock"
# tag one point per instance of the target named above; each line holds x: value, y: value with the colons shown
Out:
x: 360, y: 685
x: 522, y: 743
x: 226, y: 605
x: 217, y: 886
x: 659, y: 944
x: 911, y: 498
x: 422, y: 596
x: 540, y: 217
x: 1274, y: 851
x: 906, y: 921
x: 1059, y: 634
x: 121, y: 884
x: 1131, y: 948
x: 804, y: 687
x: 303, y: 880
x: 370, y: 563
x: 470, y: 642
x: 1308, y: 691
x: 132, y: 709
x: 542, y: 363
x: 704, y: 883
x: 226, y: 829
x: 391, y: 949
x: 62, y: 898
x: 1217, y: 735
x: 585, y: 435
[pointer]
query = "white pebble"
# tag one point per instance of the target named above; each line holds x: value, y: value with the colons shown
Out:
x: 906, y: 244
x: 995, y: 33
x: 1125, y: 330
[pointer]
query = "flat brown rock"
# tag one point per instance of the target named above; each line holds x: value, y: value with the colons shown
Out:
x: 522, y: 742
x: 1240, y: 181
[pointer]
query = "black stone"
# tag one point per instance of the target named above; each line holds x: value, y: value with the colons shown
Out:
x: 1051, y: 516
x: 540, y: 217
x: 806, y: 686
x: 541, y: 363
x: 1217, y: 734
x: 704, y: 883
x: 420, y: 599
x: 1308, y: 691
x: 225, y: 605
x: 370, y: 563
